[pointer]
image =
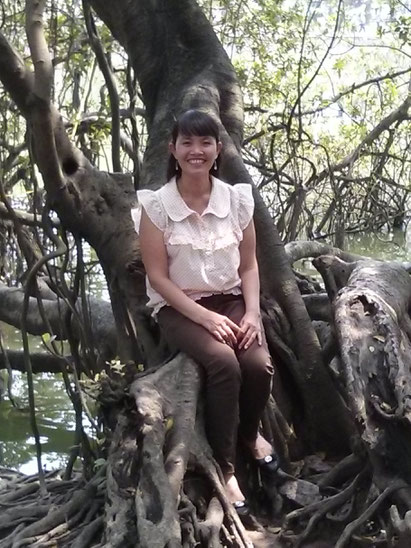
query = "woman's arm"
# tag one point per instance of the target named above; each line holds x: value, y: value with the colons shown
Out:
x: 154, y: 255
x: 250, y: 285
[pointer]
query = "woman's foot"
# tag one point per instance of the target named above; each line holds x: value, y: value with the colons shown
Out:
x: 265, y: 459
x: 233, y: 491
x: 236, y: 497
x: 260, y: 447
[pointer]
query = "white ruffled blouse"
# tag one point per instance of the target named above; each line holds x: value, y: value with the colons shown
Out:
x: 203, y: 250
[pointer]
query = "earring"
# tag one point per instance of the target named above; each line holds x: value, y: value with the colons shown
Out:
x: 177, y: 166
x: 215, y: 165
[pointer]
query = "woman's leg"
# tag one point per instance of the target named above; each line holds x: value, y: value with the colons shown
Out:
x: 223, y: 380
x: 257, y: 371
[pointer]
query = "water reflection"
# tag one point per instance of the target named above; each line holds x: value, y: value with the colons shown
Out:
x: 390, y: 246
x: 55, y: 416
x: 55, y: 421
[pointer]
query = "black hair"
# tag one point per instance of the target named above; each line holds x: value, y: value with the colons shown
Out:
x: 193, y: 122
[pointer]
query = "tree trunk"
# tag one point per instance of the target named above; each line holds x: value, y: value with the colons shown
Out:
x: 196, y: 72
x: 373, y: 328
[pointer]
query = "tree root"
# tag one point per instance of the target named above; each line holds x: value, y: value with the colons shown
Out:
x: 158, y: 436
x: 75, y: 511
x: 60, y: 516
x: 157, y: 447
x: 349, y: 466
x: 319, y: 509
x: 373, y: 329
x: 400, y: 534
x: 370, y: 511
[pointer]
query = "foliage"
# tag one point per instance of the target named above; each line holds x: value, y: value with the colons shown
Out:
x: 317, y: 78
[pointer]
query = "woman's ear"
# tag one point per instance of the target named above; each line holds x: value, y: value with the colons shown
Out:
x: 171, y: 147
x: 219, y: 147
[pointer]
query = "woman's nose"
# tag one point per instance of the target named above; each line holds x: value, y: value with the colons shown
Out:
x: 197, y: 148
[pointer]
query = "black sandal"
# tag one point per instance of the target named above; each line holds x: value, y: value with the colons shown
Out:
x: 269, y: 464
x: 241, y: 507
x: 249, y: 521
x: 269, y: 467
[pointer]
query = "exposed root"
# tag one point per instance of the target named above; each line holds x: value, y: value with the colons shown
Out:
x: 319, y: 509
x: 157, y: 447
x: 148, y: 458
x: 345, y: 469
x: 400, y: 534
x: 59, y: 518
x: 367, y: 514
x: 72, y: 515
x: 139, y: 495
x: 372, y: 326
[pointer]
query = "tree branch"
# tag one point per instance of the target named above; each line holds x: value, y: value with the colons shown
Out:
x: 23, y: 217
x: 41, y: 362
x: 110, y: 83
x: 398, y: 115
x: 102, y: 322
x: 19, y: 82
x: 354, y: 87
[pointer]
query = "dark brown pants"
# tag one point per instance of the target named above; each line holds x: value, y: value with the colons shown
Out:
x: 238, y: 382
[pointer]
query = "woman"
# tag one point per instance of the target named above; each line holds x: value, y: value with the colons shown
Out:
x: 197, y: 242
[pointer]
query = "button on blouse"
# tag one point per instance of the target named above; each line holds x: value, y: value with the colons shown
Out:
x: 203, y: 250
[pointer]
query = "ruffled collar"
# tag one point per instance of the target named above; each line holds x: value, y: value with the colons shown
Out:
x: 177, y: 209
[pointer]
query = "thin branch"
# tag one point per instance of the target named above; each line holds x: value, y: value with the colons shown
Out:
x: 23, y: 217
x: 110, y: 83
x: 398, y: 115
x: 41, y: 116
x: 301, y: 93
x: 355, y: 87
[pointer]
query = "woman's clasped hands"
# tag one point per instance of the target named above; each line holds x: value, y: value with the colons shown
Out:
x: 228, y: 332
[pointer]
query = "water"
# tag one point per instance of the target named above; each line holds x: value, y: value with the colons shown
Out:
x: 55, y: 421
x: 393, y: 246
x: 54, y: 410
x: 54, y: 415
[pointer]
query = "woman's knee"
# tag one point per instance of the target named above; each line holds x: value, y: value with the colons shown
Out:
x: 259, y: 366
x: 224, y: 366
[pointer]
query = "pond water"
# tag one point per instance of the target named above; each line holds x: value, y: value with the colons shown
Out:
x: 54, y: 414
x: 54, y: 411
x: 394, y: 246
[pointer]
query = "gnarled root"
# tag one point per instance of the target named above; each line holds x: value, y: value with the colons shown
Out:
x: 372, y: 326
x: 400, y: 528
x: 149, y: 464
x: 70, y: 514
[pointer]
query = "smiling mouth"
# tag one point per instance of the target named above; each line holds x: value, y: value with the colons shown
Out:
x: 196, y: 161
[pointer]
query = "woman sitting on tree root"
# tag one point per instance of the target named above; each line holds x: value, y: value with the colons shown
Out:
x: 198, y: 243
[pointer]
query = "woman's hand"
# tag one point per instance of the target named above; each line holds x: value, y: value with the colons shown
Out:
x: 250, y: 329
x: 221, y: 327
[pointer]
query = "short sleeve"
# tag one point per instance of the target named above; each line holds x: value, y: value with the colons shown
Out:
x: 245, y: 204
x: 150, y: 200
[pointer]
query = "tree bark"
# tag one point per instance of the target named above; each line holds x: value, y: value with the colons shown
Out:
x: 373, y: 330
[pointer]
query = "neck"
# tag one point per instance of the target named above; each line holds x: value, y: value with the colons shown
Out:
x: 194, y: 185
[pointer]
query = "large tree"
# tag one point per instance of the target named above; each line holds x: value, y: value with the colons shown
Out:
x: 152, y: 438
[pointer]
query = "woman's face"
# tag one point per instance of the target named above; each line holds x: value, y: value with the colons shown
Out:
x: 195, y: 154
